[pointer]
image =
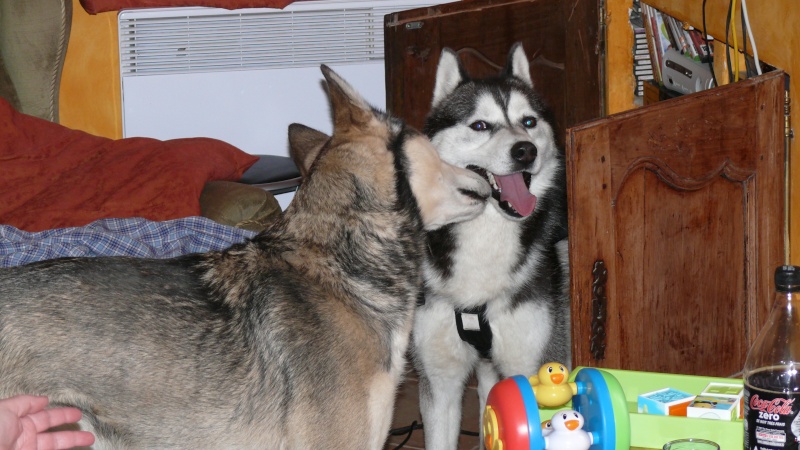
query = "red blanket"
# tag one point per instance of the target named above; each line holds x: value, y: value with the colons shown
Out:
x: 52, y: 176
x: 97, y: 6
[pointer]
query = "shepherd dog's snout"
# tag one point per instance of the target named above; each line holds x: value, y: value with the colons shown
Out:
x: 524, y: 152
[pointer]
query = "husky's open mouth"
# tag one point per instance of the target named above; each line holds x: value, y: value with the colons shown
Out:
x: 512, y: 192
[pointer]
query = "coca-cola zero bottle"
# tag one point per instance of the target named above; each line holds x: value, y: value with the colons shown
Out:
x: 771, y: 379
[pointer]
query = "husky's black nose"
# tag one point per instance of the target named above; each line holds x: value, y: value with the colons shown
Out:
x: 523, y: 152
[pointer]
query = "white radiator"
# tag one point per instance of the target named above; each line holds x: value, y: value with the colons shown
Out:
x: 243, y: 76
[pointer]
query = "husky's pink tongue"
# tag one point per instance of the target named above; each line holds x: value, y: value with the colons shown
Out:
x: 514, y: 191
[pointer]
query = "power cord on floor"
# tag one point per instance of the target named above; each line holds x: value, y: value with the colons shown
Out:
x: 409, y: 430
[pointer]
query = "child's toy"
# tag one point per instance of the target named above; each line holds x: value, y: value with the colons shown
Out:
x: 512, y: 420
x: 568, y: 432
x: 708, y: 407
x: 666, y: 402
x: 551, y: 386
x: 724, y: 390
x: 511, y: 417
x: 607, y: 399
x: 547, y: 427
x: 728, y: 390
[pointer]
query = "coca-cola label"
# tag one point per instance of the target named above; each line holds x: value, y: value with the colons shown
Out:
x: 771, y: 420
x: 776, y: 407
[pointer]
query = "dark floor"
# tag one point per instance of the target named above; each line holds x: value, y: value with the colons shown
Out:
x: 407, y: 411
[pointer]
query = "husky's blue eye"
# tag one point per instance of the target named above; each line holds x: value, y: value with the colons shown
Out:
x: 529, y: 122
x: 480, y: 126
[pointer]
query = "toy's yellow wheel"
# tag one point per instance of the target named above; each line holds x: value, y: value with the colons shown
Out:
x: 491, y: 430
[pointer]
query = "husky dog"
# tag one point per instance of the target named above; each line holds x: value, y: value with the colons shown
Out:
x: 294, y: 339
x: 497, y: 286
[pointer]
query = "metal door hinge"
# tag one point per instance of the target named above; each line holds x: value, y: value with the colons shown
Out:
x: 597, y: 341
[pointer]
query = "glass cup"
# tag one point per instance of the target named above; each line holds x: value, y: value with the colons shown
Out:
x: 691, y: 444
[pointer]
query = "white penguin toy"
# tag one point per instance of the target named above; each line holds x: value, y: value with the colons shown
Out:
x: 568, y: 432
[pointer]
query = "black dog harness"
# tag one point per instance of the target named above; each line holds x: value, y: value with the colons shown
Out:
x: 473, y: 328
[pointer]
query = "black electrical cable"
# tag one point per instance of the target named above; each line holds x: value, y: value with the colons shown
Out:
x: 710, y: 59
x: 731, y: 78
x: 409, y: 430
x: 749, y: 62
x: 744, y: 31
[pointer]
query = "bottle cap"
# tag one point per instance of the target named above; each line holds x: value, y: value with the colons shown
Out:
x: 787, y: 279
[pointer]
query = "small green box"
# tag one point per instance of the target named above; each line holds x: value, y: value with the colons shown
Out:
x: 652, y: 431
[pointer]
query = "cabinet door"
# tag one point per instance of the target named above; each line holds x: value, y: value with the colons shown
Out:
x: 676, y: 224
x: 560, y: 38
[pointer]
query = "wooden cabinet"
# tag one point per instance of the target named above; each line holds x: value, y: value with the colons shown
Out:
x: 676, y: 210
x: 676, y: 222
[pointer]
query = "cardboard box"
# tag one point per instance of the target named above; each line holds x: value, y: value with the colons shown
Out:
x: 728, y: 390
x: 665, y: 402
x: 714, y: 407
x: 724, y: 390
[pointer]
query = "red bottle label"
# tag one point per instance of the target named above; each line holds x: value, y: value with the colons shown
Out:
x: 771, y: 419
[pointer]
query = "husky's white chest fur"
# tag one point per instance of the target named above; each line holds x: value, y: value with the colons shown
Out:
x: 488, y: 270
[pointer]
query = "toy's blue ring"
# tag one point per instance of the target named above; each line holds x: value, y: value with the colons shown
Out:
x: 535, y: 438
x: 594, y: 403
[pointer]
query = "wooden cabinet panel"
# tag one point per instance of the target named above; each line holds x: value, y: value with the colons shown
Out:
x: 682, y: 202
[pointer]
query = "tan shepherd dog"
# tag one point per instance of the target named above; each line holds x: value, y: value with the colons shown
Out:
x: 295, y: 339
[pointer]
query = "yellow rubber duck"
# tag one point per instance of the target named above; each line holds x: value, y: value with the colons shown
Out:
x: 551, y: 386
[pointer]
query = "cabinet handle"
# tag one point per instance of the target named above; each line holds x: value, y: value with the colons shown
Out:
x: 597, y: 342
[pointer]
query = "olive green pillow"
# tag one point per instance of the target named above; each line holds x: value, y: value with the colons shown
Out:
x: 7, y: 90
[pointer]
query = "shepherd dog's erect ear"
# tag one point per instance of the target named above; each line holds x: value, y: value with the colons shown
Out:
x: 304, y: 146
x: 449, y: 73
x: 348, y: 106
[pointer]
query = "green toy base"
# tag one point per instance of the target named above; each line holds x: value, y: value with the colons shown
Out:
x: 652, y: 431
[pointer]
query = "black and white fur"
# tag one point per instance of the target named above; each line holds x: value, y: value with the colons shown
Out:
x: 516, y: 266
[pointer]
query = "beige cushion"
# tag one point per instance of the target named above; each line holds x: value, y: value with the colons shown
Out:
x: 239, y: 205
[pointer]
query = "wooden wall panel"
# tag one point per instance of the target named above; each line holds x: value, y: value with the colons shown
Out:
x: 90, y: 97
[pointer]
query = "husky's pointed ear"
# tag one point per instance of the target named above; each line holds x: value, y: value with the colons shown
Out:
x: 449, y: 74
x: 518, y: 65
x: 304, y: 146
x: 348, y: 107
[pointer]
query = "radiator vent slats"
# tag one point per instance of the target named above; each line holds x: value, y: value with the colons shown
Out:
x: 196, y: 41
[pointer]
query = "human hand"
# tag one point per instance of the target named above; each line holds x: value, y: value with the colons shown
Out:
x: 24, y: 422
